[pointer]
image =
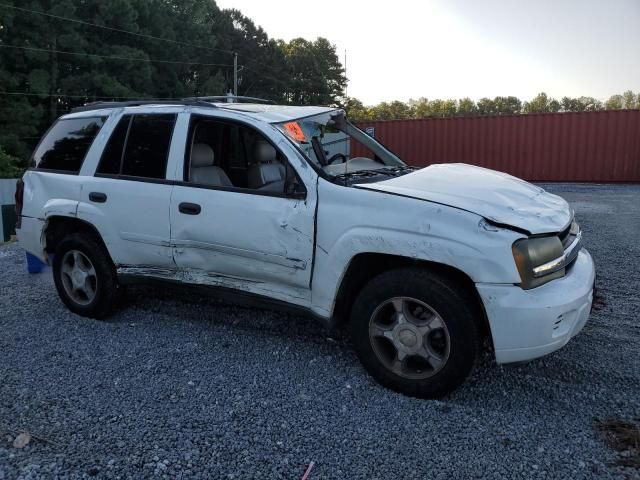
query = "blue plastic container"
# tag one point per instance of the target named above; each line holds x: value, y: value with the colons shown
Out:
x: 34, y: 265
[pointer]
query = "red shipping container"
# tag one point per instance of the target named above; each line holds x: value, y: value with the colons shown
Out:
x: 601, y: 146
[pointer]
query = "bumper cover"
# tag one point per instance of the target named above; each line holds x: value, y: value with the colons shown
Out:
x: 527, y: 324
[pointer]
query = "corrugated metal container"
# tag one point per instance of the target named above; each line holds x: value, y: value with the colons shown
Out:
x: 599, y: 146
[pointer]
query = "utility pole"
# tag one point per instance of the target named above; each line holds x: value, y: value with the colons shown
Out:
x: 346, y: 85
x: 235, y: 74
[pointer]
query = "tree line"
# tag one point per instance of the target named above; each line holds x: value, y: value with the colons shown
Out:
x: 541, y: 103
x: 59, y: 54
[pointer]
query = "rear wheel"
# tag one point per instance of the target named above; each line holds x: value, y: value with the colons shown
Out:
x: 84, y: 276
x: 415, y: 332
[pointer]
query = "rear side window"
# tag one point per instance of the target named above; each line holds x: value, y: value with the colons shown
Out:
x: 67, y: 143
x: 139, y: 146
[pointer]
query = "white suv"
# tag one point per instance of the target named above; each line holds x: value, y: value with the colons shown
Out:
x: 264, y: 202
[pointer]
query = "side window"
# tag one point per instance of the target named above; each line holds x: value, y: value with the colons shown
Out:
x: 139, y: 146
x: 67, y: 143
x: 232, y: 155
x: 112, y: 154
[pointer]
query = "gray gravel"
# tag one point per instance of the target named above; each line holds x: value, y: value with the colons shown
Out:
x: 182, y: 386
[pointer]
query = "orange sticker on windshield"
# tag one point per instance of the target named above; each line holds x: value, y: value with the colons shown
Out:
x: 295, y: 132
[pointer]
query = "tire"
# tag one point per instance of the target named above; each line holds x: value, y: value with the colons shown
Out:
x: 93, y: 258
x: 436, y: 362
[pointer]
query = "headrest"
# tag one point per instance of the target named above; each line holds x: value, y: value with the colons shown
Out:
x: 264, y: 152
x: 201, y: 155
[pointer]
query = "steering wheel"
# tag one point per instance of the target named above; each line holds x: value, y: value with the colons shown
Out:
x: 335, y: 157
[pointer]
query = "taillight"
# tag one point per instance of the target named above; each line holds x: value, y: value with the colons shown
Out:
x: 19, y: 201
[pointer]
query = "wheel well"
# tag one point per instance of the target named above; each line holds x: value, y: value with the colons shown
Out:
x: 365, y: 266
x: 58, y: 227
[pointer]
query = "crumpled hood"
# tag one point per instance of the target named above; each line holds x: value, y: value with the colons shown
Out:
x: 494, y: 195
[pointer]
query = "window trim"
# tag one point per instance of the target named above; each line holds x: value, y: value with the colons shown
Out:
x: 32, y: 161
x: 180, y: 183
x: 186, y: 162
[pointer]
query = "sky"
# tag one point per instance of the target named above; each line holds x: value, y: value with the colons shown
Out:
x: 403, y: 49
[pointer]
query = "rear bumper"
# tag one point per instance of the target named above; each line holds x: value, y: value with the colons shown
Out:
x: 527, y: 324
x: 30, y: 237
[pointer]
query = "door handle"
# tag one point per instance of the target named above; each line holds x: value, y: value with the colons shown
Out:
x: 189, y: 208
x: 98, y: 197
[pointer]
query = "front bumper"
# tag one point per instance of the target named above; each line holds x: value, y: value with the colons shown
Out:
x: 527, y: 324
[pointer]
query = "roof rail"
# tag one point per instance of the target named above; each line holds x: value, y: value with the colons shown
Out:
x: 137, y: 103
x: 230, y: 99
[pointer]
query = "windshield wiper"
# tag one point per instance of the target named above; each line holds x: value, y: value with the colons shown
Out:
x: 388, y: 171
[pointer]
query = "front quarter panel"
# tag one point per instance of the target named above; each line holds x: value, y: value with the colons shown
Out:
x: 352, y: 221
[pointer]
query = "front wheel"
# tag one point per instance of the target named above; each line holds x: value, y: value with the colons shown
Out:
x: 84, y: 276
x: 415, y: 332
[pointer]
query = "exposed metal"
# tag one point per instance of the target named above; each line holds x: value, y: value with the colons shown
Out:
x: 409, y: 337
x: 599, y: 146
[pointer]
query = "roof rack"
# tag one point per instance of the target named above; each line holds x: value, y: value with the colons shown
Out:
x: 231, y: 99
x: 138, y: 103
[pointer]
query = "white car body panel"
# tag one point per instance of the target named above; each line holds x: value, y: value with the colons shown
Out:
x: 497, y: 196
x: 298, y: 251
x: 527, y: 324
x: 353, y: 221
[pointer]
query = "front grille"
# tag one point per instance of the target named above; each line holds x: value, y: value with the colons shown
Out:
x: 569, y: 234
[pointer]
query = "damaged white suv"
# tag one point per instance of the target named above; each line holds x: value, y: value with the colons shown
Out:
x: 264, y: 202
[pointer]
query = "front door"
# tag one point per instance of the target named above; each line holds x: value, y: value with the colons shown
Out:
x: 241, y: 217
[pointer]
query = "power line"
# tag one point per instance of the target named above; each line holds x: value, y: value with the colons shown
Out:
x: 113, y: 29
x: 65, y: 95
x: 143, y: 35
x: 116, y: 57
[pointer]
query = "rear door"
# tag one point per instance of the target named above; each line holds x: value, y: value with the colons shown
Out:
x: 256, y: 240
x: 128, y: 197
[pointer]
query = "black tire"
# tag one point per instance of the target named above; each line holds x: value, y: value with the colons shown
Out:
x: 106, y: 289
x: 453, y: 306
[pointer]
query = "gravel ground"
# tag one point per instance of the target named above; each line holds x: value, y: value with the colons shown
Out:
x: 182, y: 386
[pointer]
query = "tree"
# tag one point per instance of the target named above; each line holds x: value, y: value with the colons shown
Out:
x: 568, y: 104
x: 486, y: 106
x: 507, y: 105
x: 177, y: 49
x: 630, y: 100
x: 356, y: 111
x: 315, y: 73
x: 615, y: 102
x: 541, y: 103
x: 467, y: 107
x: 10, y: 167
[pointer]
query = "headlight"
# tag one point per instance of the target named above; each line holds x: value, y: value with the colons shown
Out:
x: 538, y: 260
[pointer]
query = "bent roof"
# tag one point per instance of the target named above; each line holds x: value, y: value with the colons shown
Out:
x: 265, y: 113
x: 274, y: 113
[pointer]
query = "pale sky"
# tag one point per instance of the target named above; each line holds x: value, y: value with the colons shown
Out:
x: 404, y: 49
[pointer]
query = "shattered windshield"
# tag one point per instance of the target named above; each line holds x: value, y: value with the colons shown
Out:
x: 341, y: 149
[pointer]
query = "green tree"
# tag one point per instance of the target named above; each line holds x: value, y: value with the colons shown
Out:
x: 316, y: 76
x: 486, y: 106
x: 467, y: 107
x: 541, y: 103
x: 356, y: 111
x: 630, y: 100
x: 195, y: 58
x: 615, y: 102
x: 507, y: 105
x: 10, y: 167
